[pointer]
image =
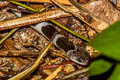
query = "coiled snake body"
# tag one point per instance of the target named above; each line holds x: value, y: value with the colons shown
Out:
x: 75, y: 53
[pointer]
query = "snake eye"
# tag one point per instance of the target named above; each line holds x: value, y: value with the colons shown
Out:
x: 79, y: 56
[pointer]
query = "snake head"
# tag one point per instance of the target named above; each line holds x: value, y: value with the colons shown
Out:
x: 79, y: 55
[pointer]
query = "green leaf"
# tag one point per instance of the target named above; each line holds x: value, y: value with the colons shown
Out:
x: 108, y: 41
x: 98, y: 67
x: 116, y: 73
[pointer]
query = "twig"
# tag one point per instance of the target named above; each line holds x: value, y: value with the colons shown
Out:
x: 55, y: 65
x: 75, y: 73
x: 32, y: 19
x: 33, y: 67
x: 27, y: 7
x: 22, y: 53
x: 47, y: 1
x: 32, y: 45
x: 54, y: 74
x: 77, y: 15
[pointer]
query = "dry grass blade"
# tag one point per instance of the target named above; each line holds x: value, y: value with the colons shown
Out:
x: 20, y: 4
x: 70, y: 31
x: 28, y: 71
x: 7, y: 36
x: 54, y: 74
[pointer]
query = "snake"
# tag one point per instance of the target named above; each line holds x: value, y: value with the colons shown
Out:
x: 73, y: 52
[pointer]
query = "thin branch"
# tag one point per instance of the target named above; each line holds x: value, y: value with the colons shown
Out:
x: 32, y: 19
x: 20, y: 4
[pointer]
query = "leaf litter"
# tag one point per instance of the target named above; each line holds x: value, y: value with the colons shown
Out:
x: 55, y: 65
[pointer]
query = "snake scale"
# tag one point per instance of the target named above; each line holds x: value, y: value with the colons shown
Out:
x: 74, y: 53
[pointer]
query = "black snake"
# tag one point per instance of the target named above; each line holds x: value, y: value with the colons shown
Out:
x: 75, y: 53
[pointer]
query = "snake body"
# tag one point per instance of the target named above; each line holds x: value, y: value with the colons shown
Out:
x: 75, y: 53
